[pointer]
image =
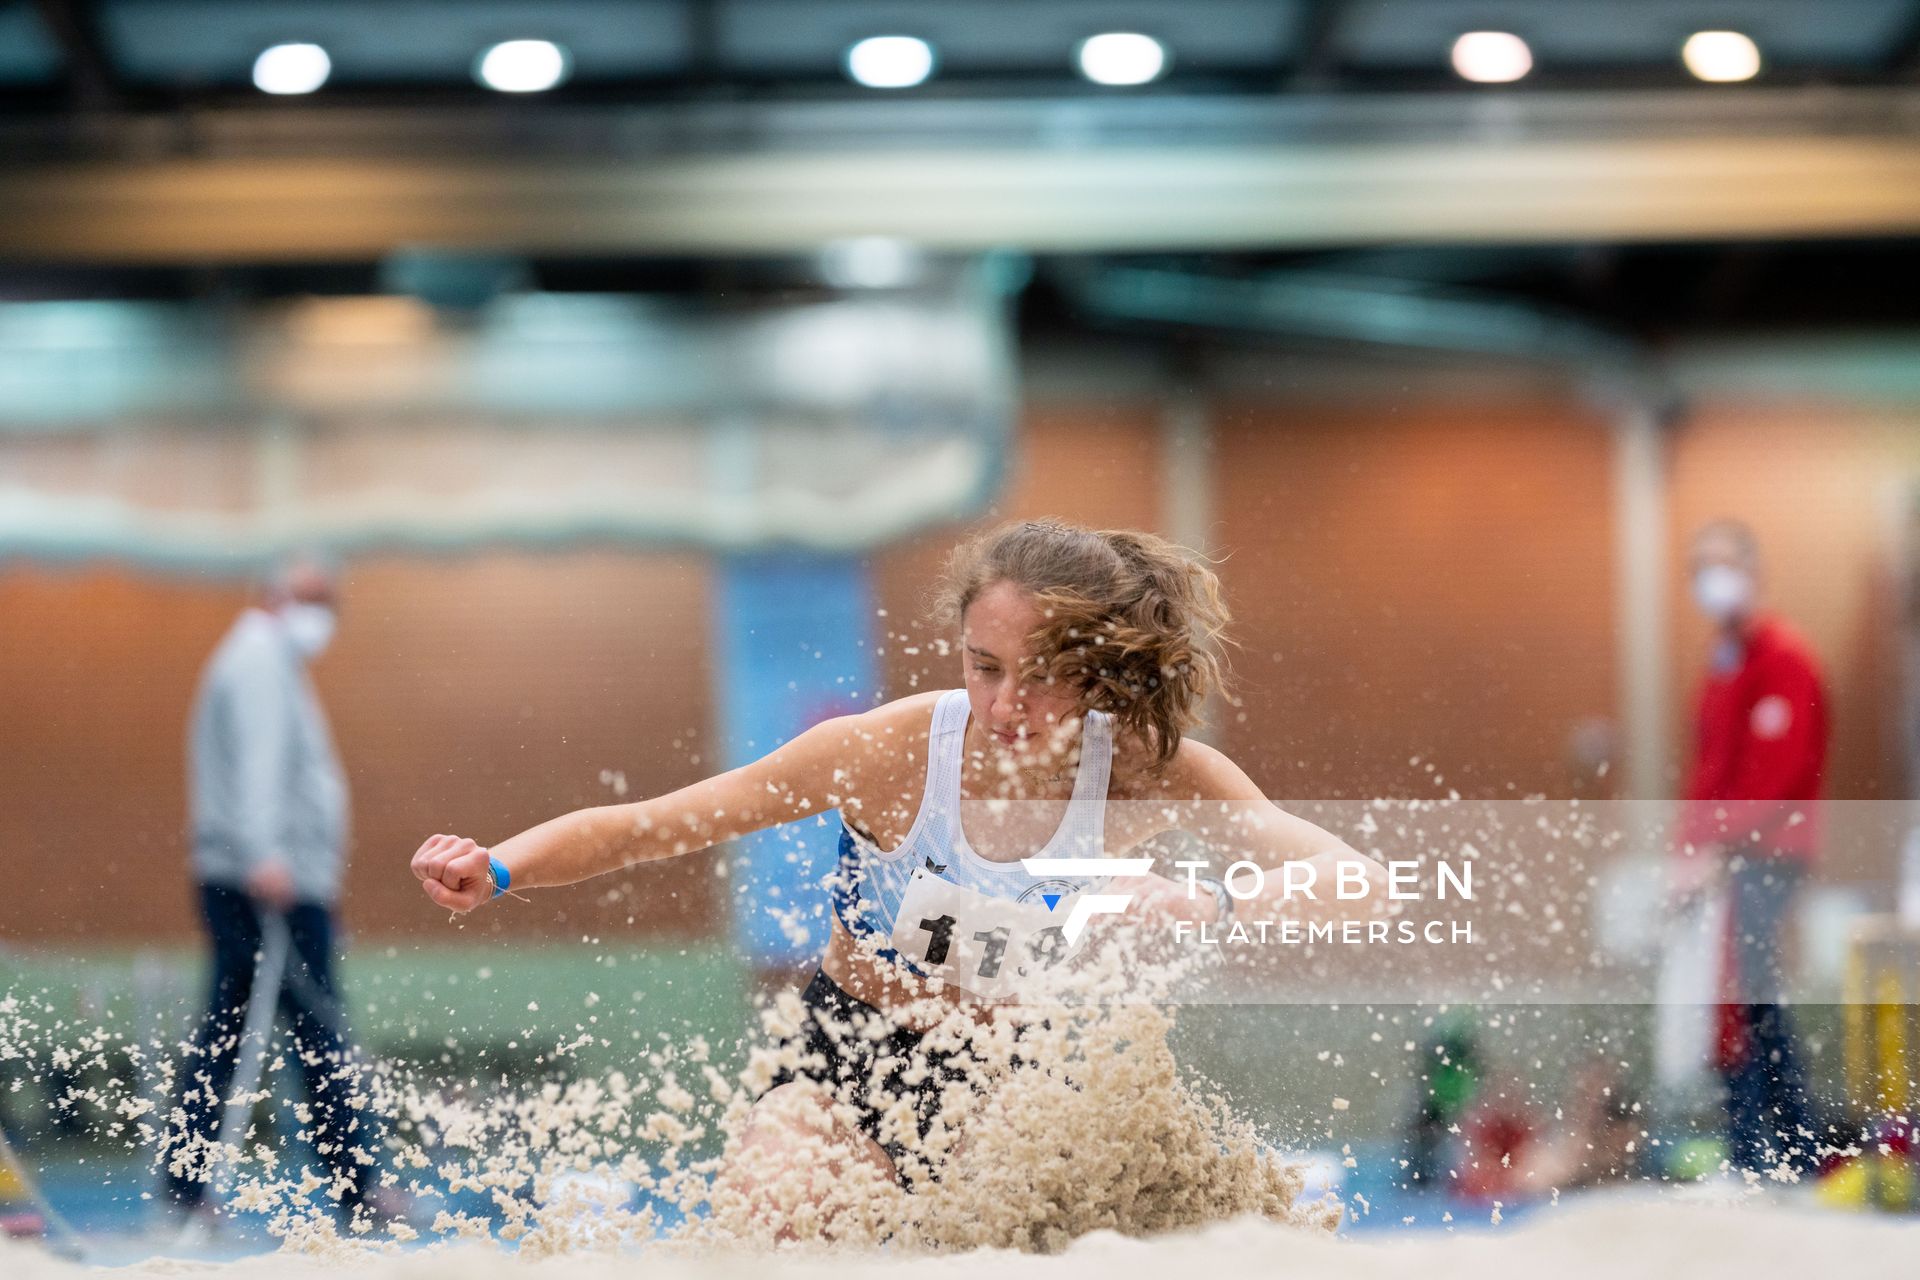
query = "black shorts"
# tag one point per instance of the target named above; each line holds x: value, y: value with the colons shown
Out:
x: 847, y: 1062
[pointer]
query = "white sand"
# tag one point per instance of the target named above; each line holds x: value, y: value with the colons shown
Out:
x: 1625, y: 1236
x: 1083, y: 1147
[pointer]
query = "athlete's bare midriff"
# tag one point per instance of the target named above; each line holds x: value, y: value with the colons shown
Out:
x: 890, y: 987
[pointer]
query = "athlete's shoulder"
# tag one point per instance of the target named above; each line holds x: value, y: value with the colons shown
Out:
x: 883, y: 759
x: 1196, y: 772
x: 902, y: 720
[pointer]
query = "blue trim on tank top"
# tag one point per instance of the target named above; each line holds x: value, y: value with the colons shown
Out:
x: 846, y: 891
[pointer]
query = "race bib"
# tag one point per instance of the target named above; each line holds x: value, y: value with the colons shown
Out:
x: 991, y: 947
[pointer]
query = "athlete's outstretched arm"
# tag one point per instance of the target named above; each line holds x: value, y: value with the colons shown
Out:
x: 803, y: 777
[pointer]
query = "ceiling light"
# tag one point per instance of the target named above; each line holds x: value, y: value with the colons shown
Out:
x: 1491, y: 57
x: 291, y: 68
x: 890, y: 62
x: 523, y: 66
x: 871, y: 262
x: 1122, y: 57
x: 1721, y: 57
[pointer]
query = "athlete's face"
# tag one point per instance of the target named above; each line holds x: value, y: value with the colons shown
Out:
x: 1019, y: 713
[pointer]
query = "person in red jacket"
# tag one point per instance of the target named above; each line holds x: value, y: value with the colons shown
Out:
x: 1751, y: 824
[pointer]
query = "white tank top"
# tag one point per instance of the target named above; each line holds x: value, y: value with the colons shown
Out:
x: 940, y: 908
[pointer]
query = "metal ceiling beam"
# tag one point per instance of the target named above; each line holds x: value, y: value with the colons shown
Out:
x: 338, y: 128
x: 91, y: 80
x: 258, y: 211
x: 1840, y: 166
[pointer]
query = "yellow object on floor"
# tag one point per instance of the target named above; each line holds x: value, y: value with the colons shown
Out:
x: 1870, y: 1182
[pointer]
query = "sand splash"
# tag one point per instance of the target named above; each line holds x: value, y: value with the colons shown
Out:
x: 1072, y: 1117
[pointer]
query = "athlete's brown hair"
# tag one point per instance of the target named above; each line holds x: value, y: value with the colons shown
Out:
x: 1132, y: 621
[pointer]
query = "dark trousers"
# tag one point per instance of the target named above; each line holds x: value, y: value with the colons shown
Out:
x: 307, y: 1005
x: 1766, y: 1090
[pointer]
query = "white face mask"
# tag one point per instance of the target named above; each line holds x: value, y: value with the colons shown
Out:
x: 1722, y: 592
x: 309, y: 626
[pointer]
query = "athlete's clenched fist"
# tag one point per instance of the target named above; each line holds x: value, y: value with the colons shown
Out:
x: 455, y: 872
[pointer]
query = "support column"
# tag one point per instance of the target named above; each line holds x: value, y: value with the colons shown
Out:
x: 1186, y: 492
x: 1640, y: 603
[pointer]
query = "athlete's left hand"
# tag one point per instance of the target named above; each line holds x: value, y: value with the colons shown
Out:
x: 1159, y: 902
x: 1147, y: 928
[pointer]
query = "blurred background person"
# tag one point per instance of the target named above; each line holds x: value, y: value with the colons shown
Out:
x: 1750, y: 828
x: 268, y: 804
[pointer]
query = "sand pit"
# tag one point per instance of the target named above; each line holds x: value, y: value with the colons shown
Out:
x: 1068, y: 1119
x: 1607, y: 1236
x: 1075, y: 1140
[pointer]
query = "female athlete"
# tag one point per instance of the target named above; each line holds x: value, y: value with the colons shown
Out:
x: 1086, y: 658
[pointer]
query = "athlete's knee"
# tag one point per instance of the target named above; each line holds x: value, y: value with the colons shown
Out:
x: 801, y: 1122
x: 797, y: 1167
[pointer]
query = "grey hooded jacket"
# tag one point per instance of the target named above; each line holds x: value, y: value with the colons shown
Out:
x: 266, y: 784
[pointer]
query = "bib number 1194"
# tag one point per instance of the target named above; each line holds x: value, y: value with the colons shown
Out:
x: 982, y: 944
x: 1045, y: 948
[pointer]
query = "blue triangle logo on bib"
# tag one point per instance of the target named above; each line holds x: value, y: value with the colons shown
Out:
x: 1051, y: 899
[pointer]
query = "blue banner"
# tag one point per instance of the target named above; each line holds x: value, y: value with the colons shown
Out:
x: 796, y: 648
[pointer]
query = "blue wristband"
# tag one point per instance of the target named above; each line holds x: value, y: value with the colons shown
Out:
x: 502, y: 878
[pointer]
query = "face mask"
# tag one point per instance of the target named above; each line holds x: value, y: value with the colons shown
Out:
x: 1722, y: 591
x: 309, y: 626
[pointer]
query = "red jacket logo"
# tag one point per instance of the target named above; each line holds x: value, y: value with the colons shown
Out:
x: 1772, y: 717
